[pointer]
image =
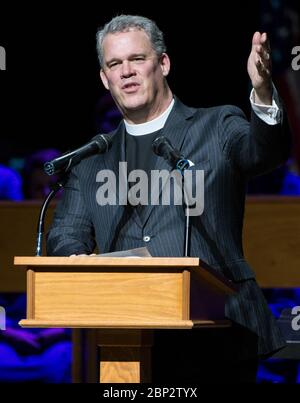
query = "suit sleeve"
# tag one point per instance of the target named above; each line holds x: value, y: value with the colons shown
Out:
x: 253, y: 148
x: 72, y: 231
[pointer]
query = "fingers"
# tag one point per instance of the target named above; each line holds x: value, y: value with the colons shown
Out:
x: 265, y: 44
x: 263, y: 38
x: 260, y: 39
x: 83, y: 254
x: 262, y: 53
x: 262, y: 69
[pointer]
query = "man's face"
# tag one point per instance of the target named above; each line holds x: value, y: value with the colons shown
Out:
x: 133, y: 73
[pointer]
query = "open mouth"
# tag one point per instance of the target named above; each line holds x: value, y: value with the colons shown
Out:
x: 130, y: 87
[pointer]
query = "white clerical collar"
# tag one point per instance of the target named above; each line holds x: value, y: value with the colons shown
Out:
x: 149, y: 127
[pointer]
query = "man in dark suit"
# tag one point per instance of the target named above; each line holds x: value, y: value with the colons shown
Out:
x: 220, y: 141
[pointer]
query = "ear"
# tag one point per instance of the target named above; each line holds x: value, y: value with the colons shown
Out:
x: 104, y: 79
x: 165, y: 64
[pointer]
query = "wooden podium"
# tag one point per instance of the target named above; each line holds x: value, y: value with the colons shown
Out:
x: 123, y: 300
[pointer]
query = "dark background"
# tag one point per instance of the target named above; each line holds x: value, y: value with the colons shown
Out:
x: 51, y: 85
x: 48, y: 93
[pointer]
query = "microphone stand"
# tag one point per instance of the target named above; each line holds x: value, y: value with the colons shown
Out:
x: 187, y: 227
x: 163, y: 148
x: 181, y: 166
x: 40, y: 228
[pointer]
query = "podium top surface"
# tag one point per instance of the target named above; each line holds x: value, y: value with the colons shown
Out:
x: 106, y: 261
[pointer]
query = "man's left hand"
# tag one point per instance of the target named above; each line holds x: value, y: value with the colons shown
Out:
x: 259, y: 68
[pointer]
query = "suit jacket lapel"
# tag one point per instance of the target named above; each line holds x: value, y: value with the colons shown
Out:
x: 115, y: 156
x: 175, y: 130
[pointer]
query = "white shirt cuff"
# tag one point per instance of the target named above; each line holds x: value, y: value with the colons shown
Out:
x: 270, y: 114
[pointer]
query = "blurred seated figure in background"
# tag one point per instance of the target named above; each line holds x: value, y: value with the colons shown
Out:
x: 284, y: 181
x: 32, y: 355
x: 285, y: 368
x: 291, y: 182
x: 10, y: 184
x: 36, y: 183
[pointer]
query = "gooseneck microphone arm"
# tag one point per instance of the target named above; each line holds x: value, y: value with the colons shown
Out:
x: 100, y: 144
x: 187, y: 227
x: 40, y: 228
x: 163, y: 148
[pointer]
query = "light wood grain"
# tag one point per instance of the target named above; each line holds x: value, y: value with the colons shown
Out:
x: 272, y: 239
x: 125, y: 356
x: 119, y: 372
x: 18, y: 237
x: 186, y: 278
x: 120, y: 365
x: 30, y: 307
x: 171, y: 324
x: 180, y: 324
x: 86, y: 261
x: 108, y: 296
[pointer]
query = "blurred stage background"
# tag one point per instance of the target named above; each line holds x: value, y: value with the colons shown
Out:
x: 52, y: 100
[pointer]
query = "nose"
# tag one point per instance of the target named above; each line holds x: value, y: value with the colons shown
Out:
x: 127, y: 69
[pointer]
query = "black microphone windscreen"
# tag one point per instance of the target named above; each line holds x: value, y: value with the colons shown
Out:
x: 104, y: 142
x: 159, y: 144
x: 99, y: 144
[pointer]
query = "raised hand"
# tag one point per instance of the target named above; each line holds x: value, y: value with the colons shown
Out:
x: 259, y: 68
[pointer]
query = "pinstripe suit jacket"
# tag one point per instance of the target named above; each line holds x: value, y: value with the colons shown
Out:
x: 229, y: 149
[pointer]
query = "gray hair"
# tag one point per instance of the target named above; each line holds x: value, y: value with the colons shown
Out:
x: 123, y: 23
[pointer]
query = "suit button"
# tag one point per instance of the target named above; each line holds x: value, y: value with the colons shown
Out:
x: 146, y: 238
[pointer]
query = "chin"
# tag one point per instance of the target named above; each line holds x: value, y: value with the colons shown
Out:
x: 134, y: 105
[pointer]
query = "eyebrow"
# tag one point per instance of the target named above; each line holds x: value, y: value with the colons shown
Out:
x: 132, y: 56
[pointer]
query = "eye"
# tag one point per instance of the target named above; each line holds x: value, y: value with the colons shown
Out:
x: 139, y: 59
x: 113, y: 65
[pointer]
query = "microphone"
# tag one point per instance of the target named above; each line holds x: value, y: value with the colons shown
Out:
x: 163, y: 148
x: 100, y: 144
